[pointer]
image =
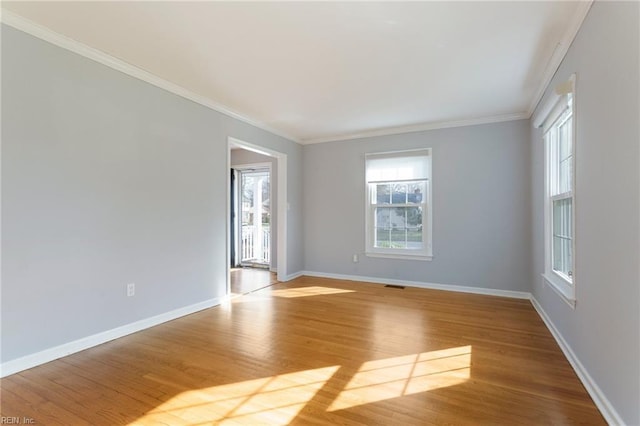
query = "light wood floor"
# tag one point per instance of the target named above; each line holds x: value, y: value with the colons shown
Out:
x: 246, y: 280
x: 319, y: 351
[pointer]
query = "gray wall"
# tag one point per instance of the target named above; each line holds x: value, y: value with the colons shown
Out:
x: 480, y: 207
x: 241, y: 157
x: 108, y: 180
x: 604, y: 328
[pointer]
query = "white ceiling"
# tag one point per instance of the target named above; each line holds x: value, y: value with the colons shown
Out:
x: 334, y: 70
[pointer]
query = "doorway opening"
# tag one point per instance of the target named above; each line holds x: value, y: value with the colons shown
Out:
x: 257, y: 221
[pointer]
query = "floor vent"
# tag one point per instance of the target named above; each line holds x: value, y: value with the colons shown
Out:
x: 399, y: 287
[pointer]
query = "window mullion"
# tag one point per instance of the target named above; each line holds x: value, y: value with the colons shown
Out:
x: 563, y: 196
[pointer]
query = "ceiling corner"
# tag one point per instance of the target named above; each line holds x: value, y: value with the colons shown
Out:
x: 560, y: 51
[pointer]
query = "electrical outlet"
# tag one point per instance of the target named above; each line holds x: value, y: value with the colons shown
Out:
x: 355, y: 258
x: 131, y: 289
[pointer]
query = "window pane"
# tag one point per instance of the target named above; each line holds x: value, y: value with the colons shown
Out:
x: 398, y: 227
x: 414, y: 217
x: 414, y: 228
x: 399, y: 217
x: 383, y: 227
x: 383, y: 194
x: 565, y: 156
x: 564, y: 178
x: 552, y: 168
x: 562, y: 236
x: 383, y: 238
x: 399, y: 195
x: 415, y: 192
x: 414, y: 239
x: 247, y: 190
x: 382, y: 218
x: 565, y: 139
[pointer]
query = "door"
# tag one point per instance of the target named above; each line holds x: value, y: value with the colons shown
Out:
x: 255, y: 218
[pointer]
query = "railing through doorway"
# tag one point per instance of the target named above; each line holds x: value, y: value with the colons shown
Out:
x: 252, y: 252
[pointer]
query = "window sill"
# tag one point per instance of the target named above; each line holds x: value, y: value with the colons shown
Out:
x: 400, y: 256
x: 562, y: 289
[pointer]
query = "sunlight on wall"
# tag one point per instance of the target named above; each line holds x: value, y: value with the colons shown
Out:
x: 405, y: 375
x: 272, y: 400
x: 308, y: 291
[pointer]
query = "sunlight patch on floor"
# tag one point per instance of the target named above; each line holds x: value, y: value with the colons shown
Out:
x: 277, y: 400
x: 384, y: 379
x: 272, y: 400
x: 308, y: 291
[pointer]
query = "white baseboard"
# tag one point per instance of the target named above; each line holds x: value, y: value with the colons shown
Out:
x: 47, y: 355
x: 294, y: 276
x: 434, y: 286
x: 606, y: 408
x: 610, y: 414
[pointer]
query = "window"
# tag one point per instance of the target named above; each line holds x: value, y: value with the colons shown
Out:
x: 398, y: 219
x: 559, y: 140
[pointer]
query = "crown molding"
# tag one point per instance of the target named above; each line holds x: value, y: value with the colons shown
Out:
x: 560, y: 52
x: 18, y: 22
x: 550, y: 70
x: 420, y: 127
x: 46, y: 34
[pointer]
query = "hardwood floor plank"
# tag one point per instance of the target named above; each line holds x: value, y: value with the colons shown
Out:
x: 246, y: 280
x: 318, y: 352
x: 37, y: 402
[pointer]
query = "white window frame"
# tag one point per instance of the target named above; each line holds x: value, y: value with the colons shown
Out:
x: 558, y: 109
x: 426, y: 254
